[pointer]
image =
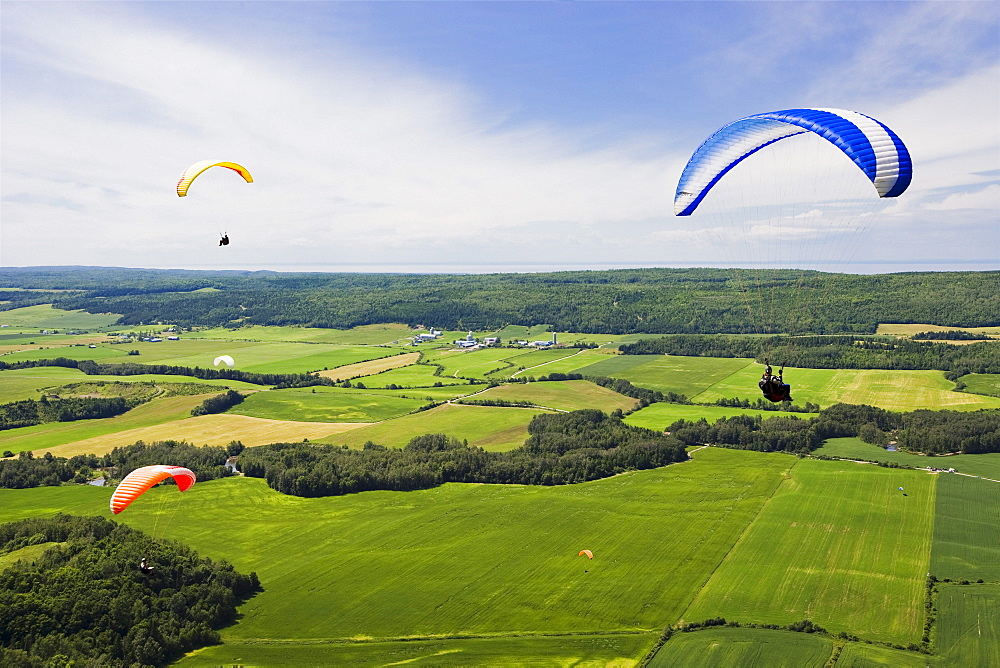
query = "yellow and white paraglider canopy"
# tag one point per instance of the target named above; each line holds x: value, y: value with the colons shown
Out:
x: 192, y: 172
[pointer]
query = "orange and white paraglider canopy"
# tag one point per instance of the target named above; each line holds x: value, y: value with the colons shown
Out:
x: 590, y: 555
x: 139, y: 481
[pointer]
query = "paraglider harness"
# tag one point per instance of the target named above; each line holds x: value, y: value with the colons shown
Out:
x: 773, y: 386
x: 224, y: 241
x: 145, y: 567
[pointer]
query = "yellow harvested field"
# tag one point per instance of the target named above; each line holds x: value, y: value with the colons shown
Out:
x: 891, y: 329
x: 371, y: 367
x: 217, y: 429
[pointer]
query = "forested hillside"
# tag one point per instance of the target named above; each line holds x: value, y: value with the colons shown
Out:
x: 658, y: 301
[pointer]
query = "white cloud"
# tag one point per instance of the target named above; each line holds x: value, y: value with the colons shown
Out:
x: 987, y: 198
x: 354, y: 159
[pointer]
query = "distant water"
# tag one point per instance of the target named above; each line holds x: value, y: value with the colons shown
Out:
x: 856, y: 267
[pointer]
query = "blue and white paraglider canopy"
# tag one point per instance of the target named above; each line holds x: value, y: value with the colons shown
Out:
x: 870, y: 144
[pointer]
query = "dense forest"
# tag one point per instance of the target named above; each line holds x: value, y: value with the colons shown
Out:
x: 84, y: 602
x: 832, y: 352
x: 657, y: 301
x: 561, y: 449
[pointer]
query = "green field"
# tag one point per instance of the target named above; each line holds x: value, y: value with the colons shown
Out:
x: 690, y: 376
x: 892, y: 390
x: 486, y: 427
x: 966, y: 529
x: 572, y: 364
x: 482, y: 560
x: 43, y: 316
x: 414, y: 375
x: 987, y: 465
x: 760, y: 648
x: 982, y: 383
x: 53, y: 434
x: 968, y: 632
x: 839, y: 545
x: 533, y: 362
x: 569, y: 395
x: 470, y: 363
x: 563, y: 650
x: 27, y: 554
x: 18, y: 384
x: 256, y: 357
x: 364, y: 335
x: 859, y: 655
x: 324, y: 404
x: 660, y: 416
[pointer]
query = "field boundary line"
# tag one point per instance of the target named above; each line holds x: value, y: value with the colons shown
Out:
x: 739, y: 539
x: 349, y: 640
x: 559, y: 359
x: 709, y: 387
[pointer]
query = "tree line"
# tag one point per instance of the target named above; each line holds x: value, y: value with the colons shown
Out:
x: 25, y: 470
x: 92, y: 368
x: 657, y: 301
x: 928, y: 432
x: 561, y: 449
x: 84, y: 601
x: 952, y: 335
x: 831, y: 352
x: 220, y: 403
x: 29, y: 412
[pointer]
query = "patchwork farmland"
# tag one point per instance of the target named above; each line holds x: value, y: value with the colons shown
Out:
x: 471, y: 574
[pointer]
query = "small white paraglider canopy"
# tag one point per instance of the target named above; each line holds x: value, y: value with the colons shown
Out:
x: 225, y: 359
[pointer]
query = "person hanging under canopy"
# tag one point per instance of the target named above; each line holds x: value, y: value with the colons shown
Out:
x: 773, y: 385
x: 224, y: 241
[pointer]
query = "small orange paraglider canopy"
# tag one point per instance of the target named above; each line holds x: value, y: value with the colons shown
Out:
x: 590, y: 555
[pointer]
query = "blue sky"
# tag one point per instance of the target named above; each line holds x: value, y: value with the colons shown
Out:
x: 472, y: 136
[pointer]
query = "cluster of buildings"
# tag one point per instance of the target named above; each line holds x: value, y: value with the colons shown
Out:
x: 471, y: 342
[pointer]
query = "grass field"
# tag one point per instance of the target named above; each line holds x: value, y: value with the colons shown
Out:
x: 323, y: 404
x: 26, y: 554
x: 496, y: 560
x: 987, y: 465
x: 257, y: 357
x: 615, y: 650
x: 982, y: 383
x: 43, y: 316
x: 757, y: 648
x: 564, y: 395
x: 217, y: 429
x: 370, y: 367
x: 55, y: 436
x: 839, y: 545
x: 860, y: 655
x: 968, y: 627
x: 487, y: 427
x: 892, y: 390
x: 363, y: 335
x: 571, y: 364
x: 533, y: 362
x: 470, y: 363
x: 414, y: 375
x: 690, y: 376
x: 966, y: 529
x: 660, y: 416
x: 18, y: 384
x: 910, y: 329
